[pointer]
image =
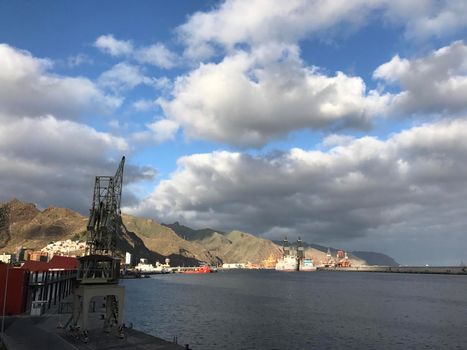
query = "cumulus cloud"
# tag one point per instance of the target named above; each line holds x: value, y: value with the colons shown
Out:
x: 250, y: 98
x: 44, y: 157
x: 28, y: 88
x: 436, y: 83
x: 158, y: 131
x: 143, y: 105
x: 78, y: 60
x: 114, y: 47
x: 434, y: 18
x: 123, y: 76
x: 258, y: 21
x: 157, y: 54
x: 50, y: 161
x: 408, y: 185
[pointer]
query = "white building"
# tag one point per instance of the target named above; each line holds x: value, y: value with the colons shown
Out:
x: 5, y: 258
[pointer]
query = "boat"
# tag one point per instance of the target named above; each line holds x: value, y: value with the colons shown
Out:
x: 294, y: 262
x: 307, y: 265
x: 287, y: 263
x: 198, y: 270
x: 144, y: 267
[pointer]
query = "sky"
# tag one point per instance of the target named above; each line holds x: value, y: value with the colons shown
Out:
x: 343, y: 122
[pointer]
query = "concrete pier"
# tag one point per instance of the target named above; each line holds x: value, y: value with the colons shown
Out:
x: 41, y: 333
x: 445, y: 270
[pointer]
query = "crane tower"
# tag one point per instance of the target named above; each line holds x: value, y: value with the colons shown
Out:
x: 104, y: 218
x: 99, y: 268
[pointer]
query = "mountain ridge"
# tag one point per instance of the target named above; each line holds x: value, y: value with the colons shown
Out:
x: 146, y: 238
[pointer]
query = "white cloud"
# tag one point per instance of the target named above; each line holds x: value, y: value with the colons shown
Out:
x: 43, y: 158
x: 412, y: 183
x: 441, y: 18
x: 143, y: 105
x: 114, y: 47
x: 50, y: 161
x: 123, y: 76
x: 260, y: 21
x: 78, y: 60
x: 158, y: 131
x: 436, y: 83
x: 334, y: 140
x: 27, y: 88
x: 157, y: 55
x: 248, y: 99
x: 163, y: 130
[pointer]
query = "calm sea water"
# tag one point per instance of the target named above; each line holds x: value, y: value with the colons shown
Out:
x: 314, y: 310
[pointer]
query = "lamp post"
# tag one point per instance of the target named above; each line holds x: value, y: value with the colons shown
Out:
x: 4, y: 305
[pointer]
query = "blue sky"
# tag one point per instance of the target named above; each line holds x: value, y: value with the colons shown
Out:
x: 339, y: 121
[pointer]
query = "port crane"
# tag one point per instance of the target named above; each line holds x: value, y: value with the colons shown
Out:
x: 99, y: 269
x: 105, y: 214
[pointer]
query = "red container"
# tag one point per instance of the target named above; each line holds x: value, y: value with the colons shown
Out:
x: 17, y: 289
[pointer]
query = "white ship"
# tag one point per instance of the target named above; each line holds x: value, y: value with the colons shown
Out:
x: 144, y: 267
x: 287, y: 263
x: 298, y: 262
x: 307, y: 265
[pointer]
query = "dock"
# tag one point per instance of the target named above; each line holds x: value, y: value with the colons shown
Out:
x: 41, y: 333
x: 443, y: 270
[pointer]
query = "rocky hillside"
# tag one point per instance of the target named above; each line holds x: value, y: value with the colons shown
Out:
x: 22, y: 224
x: 32, y: 228
x: 373, y: 258
x: 164, y: 241
x: 230, y: 247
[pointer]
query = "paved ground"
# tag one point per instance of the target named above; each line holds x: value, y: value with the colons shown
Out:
x: 23, y: 333
x: 134, y: 340
x: 41, y: 333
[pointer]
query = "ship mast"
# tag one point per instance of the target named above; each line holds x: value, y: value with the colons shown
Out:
x: 300, y: 249
x: 286, y: 247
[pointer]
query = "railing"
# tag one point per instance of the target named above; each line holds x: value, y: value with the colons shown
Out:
x: 50, y: 286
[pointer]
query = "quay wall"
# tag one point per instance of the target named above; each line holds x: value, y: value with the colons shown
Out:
x: 446, y: 270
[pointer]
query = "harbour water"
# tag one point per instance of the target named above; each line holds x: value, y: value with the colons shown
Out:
x: 303, y: 310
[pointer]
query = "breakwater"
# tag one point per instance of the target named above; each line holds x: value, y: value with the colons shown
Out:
x: 445, y: 270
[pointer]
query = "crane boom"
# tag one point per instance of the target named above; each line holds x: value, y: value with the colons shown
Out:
x: 104, y: 216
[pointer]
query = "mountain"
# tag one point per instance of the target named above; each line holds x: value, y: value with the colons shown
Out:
x: 237, y: 246
x: 163, y: 240
x: 32, y: 228
x: 23, y: 224
x: 230, y: 247
x: 373, y: 258
x: 190, y: 234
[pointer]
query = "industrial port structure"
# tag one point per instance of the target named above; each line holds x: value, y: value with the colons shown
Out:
x: 38, y: 285
x: 99, y: 270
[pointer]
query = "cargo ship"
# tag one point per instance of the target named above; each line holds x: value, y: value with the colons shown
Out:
x: 287, y: 263
x: 144, y: 267
x: 291, y: 262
